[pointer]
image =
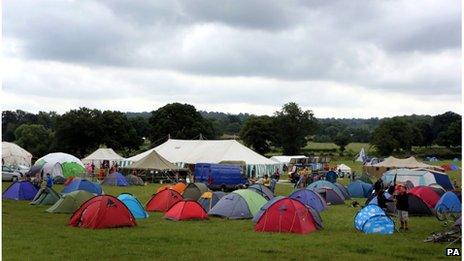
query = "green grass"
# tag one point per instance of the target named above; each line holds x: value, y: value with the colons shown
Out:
x: 354, y: 146
x: 29, y: 233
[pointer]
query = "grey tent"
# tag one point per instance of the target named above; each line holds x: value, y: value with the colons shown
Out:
x: 330, y: 196
x: 344, y: 190
x: 209, y: 199
x: 263, y: 190
x: 134, y: 180
x: 46, y: 196
x: 194, y: 190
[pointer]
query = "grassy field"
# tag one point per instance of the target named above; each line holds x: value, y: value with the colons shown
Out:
x: 29, y: 233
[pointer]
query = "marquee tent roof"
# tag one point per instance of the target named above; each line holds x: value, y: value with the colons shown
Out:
x: 13, y: 154
x: 286, y: 159
x: 410, y: 163
x: 102, y: 154
x: 206, y: 151
x: 153, y: 161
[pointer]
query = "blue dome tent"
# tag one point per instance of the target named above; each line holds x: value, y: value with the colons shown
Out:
x: 115, y: 179
x: 134, y: 205
x: 372, y: 220
x: 309, y: 198
x: 83, y: 184
x: 449, y: 202
x: 359, y: 189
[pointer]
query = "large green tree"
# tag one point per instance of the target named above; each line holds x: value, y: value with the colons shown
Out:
x: 258, y: 133
x: 34, y: 138
x: 451, y: 137
x: 293, y: 127
x: 180, y: 121
x: 342, y: 140
x: 394, y: 134
x: 79, y: 132
x: 118, y: 132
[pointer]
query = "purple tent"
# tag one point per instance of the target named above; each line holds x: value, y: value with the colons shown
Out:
x: 21, y: 190
x: 309, y: 198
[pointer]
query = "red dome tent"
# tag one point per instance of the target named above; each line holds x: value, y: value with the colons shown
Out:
x: 186, y: 210
x: 163, y: 200
x: 289, y: 216
x: 102, y: 212
x: 422, y: 200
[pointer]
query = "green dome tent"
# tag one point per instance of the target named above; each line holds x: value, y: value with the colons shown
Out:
x: 70, y: 202
x: 46, y: 196
x: 61, y: 164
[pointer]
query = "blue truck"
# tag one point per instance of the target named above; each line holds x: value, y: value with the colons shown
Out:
x: 220, y: 176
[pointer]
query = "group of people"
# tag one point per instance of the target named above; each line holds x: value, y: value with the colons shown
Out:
x: 40, y: 180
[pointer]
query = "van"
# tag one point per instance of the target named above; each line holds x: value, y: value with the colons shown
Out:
x: 220, y: 176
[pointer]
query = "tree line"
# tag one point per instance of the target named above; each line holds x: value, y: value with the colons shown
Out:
x: 83, y: 130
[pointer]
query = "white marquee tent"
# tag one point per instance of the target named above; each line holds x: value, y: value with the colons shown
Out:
x: 183, y: 152
x: 13, y: 155
x: 284, y: 159
x: 102, y: 154
x: 344, y: 169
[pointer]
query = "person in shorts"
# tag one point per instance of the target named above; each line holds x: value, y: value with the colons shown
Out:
x: 402, y: 206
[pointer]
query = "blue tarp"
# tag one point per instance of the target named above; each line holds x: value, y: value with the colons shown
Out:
x: 134, y: 205
x: 82, y: 184
x: 372, y: 220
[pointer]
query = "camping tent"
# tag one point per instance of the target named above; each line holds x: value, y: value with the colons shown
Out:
x: 309, y: 198
x: 344, y: 169
x: 153, y: 161
x: 163, y: 200
x: 240, y: 204
x: 344, y: 190
x: 371, y: 219
x: 103, y: 211
x: 285, y: 160
x: 288, y: 215
x: 70, y: 202
x: 418, y: 177
x: 20, y: 190
x: 194, y: 190
x: 186, y: 209
x: 359, y: 189
x: 115, y: 179
x: 265, y: 207
x: 134, y: 180
x: 179, y: 187
x: 14, y: 155
x: 46, y: 196
x: 323, y: 183
x: 61, y: 164
x: 82, y: 184
x: 183, y: 152
x: 330, y: 196
x: 449, y: 202
x: 134, y: 205
x: 422, y: 200
x: 263, y: 190
x: 102, y: 154
x: 361, y: 155
x: 209, y: 199
x: 391, y: 162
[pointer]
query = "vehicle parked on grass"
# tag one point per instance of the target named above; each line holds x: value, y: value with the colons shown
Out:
x: 220, y: 176
x: 10, y: 174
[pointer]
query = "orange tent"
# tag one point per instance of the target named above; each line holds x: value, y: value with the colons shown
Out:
x: 179, y: 187
x: 163, y: 188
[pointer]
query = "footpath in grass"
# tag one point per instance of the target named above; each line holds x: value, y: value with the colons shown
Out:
x: 29, y: 233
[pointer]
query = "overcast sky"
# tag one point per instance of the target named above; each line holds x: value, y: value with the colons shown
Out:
x: 338, y: 58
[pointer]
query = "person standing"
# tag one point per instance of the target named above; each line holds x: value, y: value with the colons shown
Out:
x: 402, y: 206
